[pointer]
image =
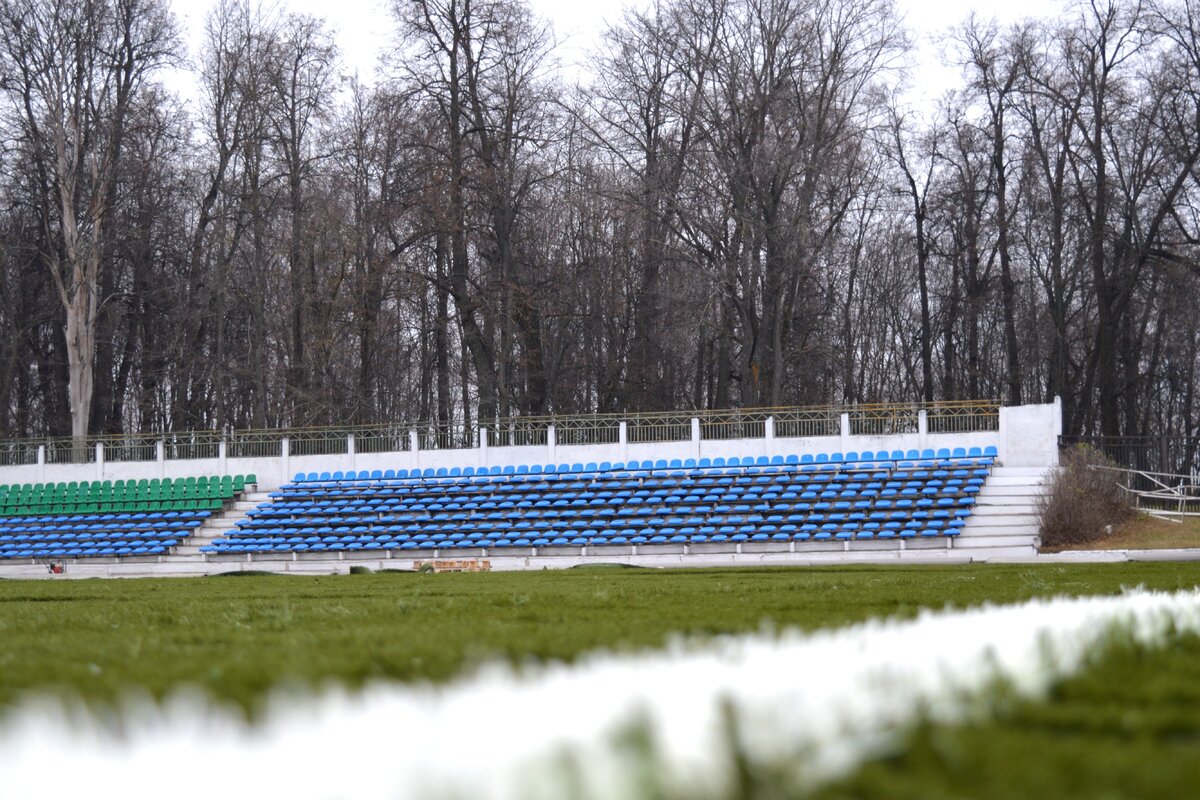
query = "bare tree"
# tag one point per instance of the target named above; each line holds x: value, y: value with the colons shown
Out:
x: 73, y: 70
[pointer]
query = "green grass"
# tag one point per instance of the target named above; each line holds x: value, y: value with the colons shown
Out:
x: 239, y: 638
x: 1148, y: 533
x: 1127, y: 727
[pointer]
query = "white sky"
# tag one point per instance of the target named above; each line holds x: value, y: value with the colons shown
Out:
x: 365, y: 29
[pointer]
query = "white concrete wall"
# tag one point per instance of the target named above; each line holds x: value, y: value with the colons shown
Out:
x: 1027, y: 437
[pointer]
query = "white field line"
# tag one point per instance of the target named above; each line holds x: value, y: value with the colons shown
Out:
x: 820, y: 702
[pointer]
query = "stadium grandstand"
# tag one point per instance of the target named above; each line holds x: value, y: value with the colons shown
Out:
x: 953, y: 481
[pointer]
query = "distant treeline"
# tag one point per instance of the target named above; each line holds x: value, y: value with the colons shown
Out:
x: 734, y: 208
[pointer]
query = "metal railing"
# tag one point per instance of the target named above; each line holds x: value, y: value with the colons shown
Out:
x: 446, y: 437
x: 674, y: 426
x: 963, y: 416
x: 599, y: 429
x: 390, y: 439
x: 518, y: 432
x: 671, y: 427
x: 884, y: 420
x: 1161, y: 494
x: 736, y: 424
x: 1163, y: 455
x: 803, y: 422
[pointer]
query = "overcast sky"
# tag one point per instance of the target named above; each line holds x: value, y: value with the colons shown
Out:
x: 365, y: 27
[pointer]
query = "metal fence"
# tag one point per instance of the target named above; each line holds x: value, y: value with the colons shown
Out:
x: 737, y: 424
x: 884, y: 420
x: 675, y: 426
x: 963, y: 416
x: 1177, y: 455
x: 801, y: 422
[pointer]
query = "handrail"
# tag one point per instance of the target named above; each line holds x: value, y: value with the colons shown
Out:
x: 598, y: 428
x: 1162, y: 500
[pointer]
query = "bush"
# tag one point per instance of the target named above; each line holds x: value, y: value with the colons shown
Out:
x: 1083, y: 499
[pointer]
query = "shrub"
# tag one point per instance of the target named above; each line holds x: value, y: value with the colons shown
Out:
x: 1084, y: 498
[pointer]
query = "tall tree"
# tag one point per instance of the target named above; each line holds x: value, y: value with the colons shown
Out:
x: 74, y: 70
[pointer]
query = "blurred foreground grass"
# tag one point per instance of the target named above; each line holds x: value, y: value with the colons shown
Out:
x: 1126, y: 728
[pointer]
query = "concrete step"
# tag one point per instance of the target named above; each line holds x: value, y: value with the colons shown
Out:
x: 1007, y: 521
x: 1004, y: 509
x: 1019, y: 472
x: 965, y: 542
x: 1012, y: 485
x: 1002, y: 500
x: 990, y: 531
x: 999, y: 554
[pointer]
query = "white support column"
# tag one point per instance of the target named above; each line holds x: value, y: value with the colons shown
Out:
x: 100, y: 461
x: 696, y: 437
x: 160, y: 458
x: 845, y: 423
x: 41, y: 463
x: 623, y: 440
x: 483, y: 448
x: 922, y: 428
x: 351, y: 453
x: 769, y: 435
x: 285, y: 457
x: 223, y: 457
x: 551, y: 445
x: 414, y: 447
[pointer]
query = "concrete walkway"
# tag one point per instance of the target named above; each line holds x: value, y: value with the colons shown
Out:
x: 663, y: 561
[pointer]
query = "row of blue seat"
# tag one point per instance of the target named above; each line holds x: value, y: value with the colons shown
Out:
x: 946, y: 507
x: 311, y: 544
x: 499, y: 491
x: 629, y: 481
x: 96, y: 535
x: 95, y: 550
x: 881, y: 456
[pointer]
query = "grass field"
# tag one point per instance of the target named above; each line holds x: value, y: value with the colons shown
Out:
x: 1127, y: 727
x: 1149, y: 533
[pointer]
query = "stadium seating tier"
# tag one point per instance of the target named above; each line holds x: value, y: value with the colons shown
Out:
x: 827, y: 497
x: 108, y: 518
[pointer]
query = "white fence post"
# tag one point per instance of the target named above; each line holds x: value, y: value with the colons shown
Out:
x: 845, y: 423
x: 285, y: 456
x: 551, y: 444
x: 623, y: 440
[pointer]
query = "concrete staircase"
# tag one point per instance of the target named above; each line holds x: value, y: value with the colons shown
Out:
x: 215, y: 527
x: 1005, y: 521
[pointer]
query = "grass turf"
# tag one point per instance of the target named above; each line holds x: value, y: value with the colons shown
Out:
x: 1126, y: 727
x: 1148, y: 533
x: 238, y: 638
